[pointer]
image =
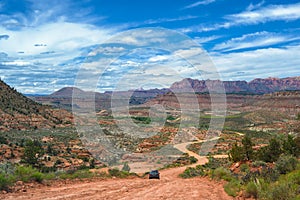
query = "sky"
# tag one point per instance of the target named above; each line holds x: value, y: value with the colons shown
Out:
x: 45, y: 44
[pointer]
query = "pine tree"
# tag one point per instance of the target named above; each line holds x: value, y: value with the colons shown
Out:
x: 126, y: 167
x: 33, y: 150
x: 247, y: 147
x: 236, y: 153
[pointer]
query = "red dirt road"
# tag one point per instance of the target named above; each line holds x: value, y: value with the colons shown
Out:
x: 170, y: 186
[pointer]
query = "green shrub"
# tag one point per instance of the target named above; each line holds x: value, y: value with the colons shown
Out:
x: 286, y: 187
x: 236, y: 153
x: 244, y: 168
x: 259, y: 163
x: 3, y: 140
x: 5, y: 181
x: 79, y: 174
x: 214, y: 163
x: 193, y: 159
x: 193, y: 172
x: 27, y: 174
x: 126, y: 167
x: 7, y: 168
x: 233, y: 187
x: 222, y: 173
x: 144, y: 120
x: 33, y: 150
x: 251, y: 190
x: 294, y: 177
x: 263, y: 188
x: 290, y: 146
x: 37, y: 176
x: 45, y: 169
x: 271, y: 152
x: 282, y: 191
x: 247, y: 147
x: 286, y: 164
x: 49, y: 176
x: 117, y: 173
x: 269, y: 174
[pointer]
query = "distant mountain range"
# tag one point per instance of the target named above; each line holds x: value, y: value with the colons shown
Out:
x: 20, y: 112
x: 63, y: 97
x: 257, y: 86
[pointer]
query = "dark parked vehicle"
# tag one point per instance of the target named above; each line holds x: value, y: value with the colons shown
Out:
x: 154, y: 174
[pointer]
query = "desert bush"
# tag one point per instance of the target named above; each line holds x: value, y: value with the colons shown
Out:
x: 117, y: 173
x: 222, y: 173
x: 236, y: 153
x: 7, y: 168
x: 286, y: 187
x: 3, y: 140
x: 251, y: 190
x: 33, y: 149
x: 244, y: 168
x: 5, y: 181
x: 45, y: 169
x: 269, y: 174
x: 144, y: 120
x: 37, y: 176
x: 294, y: 177
x: 193, y: 159
x: 259, y: 163
x: 233, y: 187
x: 281, y: 191
x: 271, y: 152
x: 286, y: 164
x: 27, y: 174
x: 247, y: 147
x: 79, y: 174
x: 49, y: 176
x: 172, y: 165
x: 126, y: 167
x: 214, y: 163
x: 192, y: 172
x: 83, y: 167
x: 290, y: 146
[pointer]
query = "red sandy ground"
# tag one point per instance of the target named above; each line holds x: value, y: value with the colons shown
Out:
x: 170, y: 186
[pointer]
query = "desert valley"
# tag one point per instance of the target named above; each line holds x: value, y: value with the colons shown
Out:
x: 41, y: 148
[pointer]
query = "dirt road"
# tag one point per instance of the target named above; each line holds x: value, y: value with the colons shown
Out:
x: 170, y: 186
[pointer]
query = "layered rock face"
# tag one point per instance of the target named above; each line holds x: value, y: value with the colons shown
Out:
x: 257, y: 86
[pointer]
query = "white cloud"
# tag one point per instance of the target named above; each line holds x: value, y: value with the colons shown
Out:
x: 274, y: 62
x: 141, y: 37
x: 258, y: 39
x: 203, y: 40
x: 158, y: 58
x: 198, y: 3
x: 188, y: 53
x: 269, y: 13
x: 16, y: 63
x: 126, y: 26
x: 252, y: 15
x: 162, y: 20
x: 255, y: 6
x: 106, y: 51
x: 60, y: 37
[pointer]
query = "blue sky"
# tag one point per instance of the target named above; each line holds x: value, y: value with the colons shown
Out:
x: 44, y: 42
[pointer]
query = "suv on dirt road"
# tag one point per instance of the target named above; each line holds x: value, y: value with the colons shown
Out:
x: 154, y: 174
